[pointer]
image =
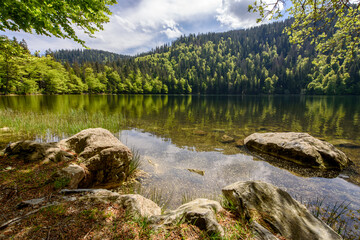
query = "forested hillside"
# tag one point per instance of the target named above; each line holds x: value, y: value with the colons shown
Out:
x: 259, y: 60
x: 253, y: 61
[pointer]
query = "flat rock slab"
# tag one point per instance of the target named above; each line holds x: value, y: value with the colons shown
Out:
x: 199, y: 212
x: 30, y: 203
x: 276, y: 210
x: 31, y: 151
x: 134, y: 204
x: 137, y: 205
x: 300, y: 148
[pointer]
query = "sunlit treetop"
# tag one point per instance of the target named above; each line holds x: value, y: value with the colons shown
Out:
x: 332, y: 25
x: 57, y: 18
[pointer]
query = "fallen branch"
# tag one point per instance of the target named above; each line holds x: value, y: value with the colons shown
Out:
x: 17, y: 219
x: 88, y: 233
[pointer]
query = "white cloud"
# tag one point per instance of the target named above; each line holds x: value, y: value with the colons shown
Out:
x: 151, y: 22
x: 234, y: 13
x: 138, y: 25
x: 171, y: 29
x: 42, y: 43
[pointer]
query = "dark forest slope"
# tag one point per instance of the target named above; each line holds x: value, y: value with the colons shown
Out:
x: 86, y: 55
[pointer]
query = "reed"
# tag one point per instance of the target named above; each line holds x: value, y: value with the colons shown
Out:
x: 338, y: 216
x: 135, y: 162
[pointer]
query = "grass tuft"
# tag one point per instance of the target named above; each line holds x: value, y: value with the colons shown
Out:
x: 135, y: 162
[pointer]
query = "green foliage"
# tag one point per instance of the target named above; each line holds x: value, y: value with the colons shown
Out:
x: 11, y: 59
x: 55, y: 210
x: 327, y: 78
x: 333, y: 27
x: 240, y: 230
x: 94, y: 84
x: 55, y: 18
x: 60, y: 183
x: 228, y: 205
x: 22, y: 73
x: 144, y: 224
x: 94, y: 214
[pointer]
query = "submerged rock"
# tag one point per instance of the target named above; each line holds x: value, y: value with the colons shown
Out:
x: 200, y: 212
x: 239, y: 143
x: 30, y: 203
x: 298, y: 169
x: 227, y: 139
x: 199, y: 132
x: 276, y: 210
x: 218, y: 130
x: 200, y: 172
x: 151, y: 161
x: 300, y: 148
x: 347, y: 145
x: 5, y: 129
x: 103, y: 155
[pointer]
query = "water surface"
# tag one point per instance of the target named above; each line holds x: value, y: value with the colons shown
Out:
x: 174, y: 133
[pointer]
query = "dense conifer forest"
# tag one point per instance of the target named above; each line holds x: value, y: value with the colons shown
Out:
x: 85, y: 55
x: 259, y: 60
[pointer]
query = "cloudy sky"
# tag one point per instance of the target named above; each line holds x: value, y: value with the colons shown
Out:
x: 138, y: 25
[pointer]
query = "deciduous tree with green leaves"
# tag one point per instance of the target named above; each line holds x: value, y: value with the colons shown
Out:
x: 332, y: 25
x: 56, y: 18
x: 12, y: 56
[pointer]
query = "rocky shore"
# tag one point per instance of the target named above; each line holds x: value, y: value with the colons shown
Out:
x: 95, y: 157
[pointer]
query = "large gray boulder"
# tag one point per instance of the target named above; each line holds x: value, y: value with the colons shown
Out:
x: 200, y: 212
x: 104, y: 157
x: 276, y: 210
x: 300, y: 148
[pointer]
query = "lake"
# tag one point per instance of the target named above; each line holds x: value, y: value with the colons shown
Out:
x: 177, y: 133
